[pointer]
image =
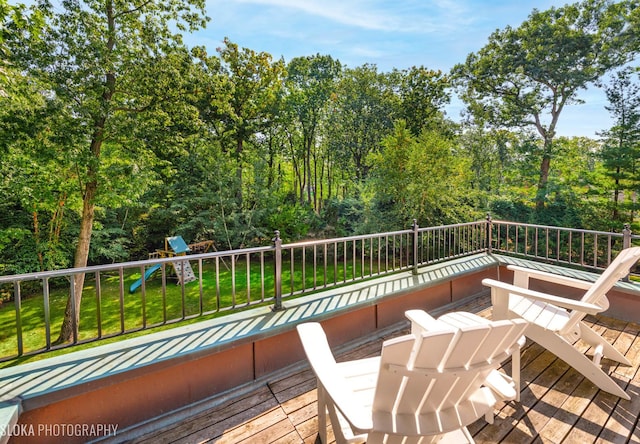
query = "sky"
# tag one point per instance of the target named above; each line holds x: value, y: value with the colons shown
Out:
x: 436, y: 34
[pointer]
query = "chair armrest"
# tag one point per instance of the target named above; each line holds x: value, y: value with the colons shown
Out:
x: 500, y: 289
x: 550, y: 277
x: 421, y: 321
x: 323, y: 364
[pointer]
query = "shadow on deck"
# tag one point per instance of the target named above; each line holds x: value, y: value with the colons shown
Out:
x: 558, y: 405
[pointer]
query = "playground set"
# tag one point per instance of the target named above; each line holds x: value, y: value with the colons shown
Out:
x: 175, y: 246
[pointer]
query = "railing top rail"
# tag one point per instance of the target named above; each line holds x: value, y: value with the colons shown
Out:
x: 376, y: 235
x: 344, y: 239
x: 131, y: 264
x: 465, y: 224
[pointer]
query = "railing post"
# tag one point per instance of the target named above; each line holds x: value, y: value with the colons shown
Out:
x: 626, y: 243
x: 626, y: 236
x: 74, y: 316
x: 415, y: 246
x: 17, y: 299
x: 489, y: 233
x: 277, y: 272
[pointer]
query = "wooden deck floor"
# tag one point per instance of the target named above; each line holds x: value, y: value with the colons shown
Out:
x: 558, y: 405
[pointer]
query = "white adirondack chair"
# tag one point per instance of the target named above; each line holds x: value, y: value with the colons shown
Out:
x: 506, y: 387
x: 557, y: 322
x: 426, y: 386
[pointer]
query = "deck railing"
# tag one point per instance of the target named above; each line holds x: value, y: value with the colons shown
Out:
x: 585, y: 249
x: 235, y: 279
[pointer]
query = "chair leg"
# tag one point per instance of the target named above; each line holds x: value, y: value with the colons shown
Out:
x: 594, y: 339
x: 342, y: 431
x: 489, y: 417
x: 322, y: 414
x: 515, y: 367
x: 568, y: 353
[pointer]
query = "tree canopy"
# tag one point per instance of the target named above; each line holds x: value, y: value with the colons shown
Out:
x: 108, y: 65
x: 526, y: 76
x: 114, y: 134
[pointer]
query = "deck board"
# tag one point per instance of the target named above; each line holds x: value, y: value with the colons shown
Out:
x: 558, y: 405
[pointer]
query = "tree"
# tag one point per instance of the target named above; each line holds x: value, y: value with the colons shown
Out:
x: 35, y: 179
x: 255, y: 84
x: 419, y: 177
x: 620, y: 152
x: 31, y: 179
x: 490, y: 155
x: 15, y: 23
x: 573, y: 201
x: 423, y: 93
x: 111, y: 63
x: 311, y: 82
x: 524, y: 77
x: 361, y: 115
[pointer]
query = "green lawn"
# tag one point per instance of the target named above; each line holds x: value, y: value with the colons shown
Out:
x: 157, y: 308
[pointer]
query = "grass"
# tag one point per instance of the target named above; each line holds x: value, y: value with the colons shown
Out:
x: 102, y: 318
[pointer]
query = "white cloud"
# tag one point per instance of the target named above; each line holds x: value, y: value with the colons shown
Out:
x: 367, y: 53
x: 413, y: 16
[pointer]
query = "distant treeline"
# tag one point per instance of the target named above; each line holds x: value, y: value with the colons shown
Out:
x: 114, y: 134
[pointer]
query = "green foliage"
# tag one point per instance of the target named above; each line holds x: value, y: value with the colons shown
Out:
x: 17, y: 251
x: 17, y: 22
x: 491, y: 156
x: 573, y: 198
x: 423, y: 93
x: 510, y: 209
x: 109, y: 245
x: 620, y: 152
x: 525, y: 76
x: 362, y: 115
x: 344, y: 217
x: 127, y: 128
x: 420, y: 178
x: 294, y: 221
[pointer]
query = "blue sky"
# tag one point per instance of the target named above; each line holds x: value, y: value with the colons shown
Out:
x: 391, y: 34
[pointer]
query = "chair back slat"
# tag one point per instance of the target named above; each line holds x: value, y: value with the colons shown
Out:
x: 426, y: 377
x: 452, y: 383
x: 495, y: 343
x: 597, y: 294
x: 463, y: 351
x: 396, y: 351
x: 401, y: 352
x: 617, y: 270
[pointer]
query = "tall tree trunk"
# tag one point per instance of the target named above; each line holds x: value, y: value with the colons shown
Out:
x: 56, y: 221
x: 239, y: 148
x: 36, y: 234
x: 616, y: 195
x: 329, y: 178
x: 315, y: 183
x: 322, y: 180
x: 297, y: 179
x: 71, y: 320
x: 541, y: 195
x: 307, y: 168
x: 81, y: 257
x: 270, y: 164
x: 67, y: 330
